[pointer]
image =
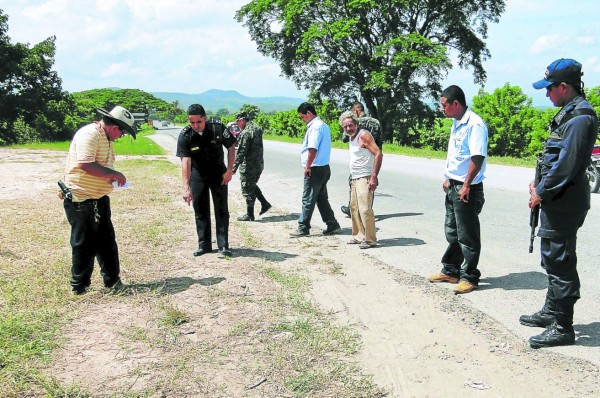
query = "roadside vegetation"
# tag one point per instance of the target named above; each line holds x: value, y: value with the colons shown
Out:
x: 126, y: 145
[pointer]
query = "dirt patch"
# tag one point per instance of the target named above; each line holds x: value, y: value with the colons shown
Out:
x: 26, y: 173
x: 418, y: 339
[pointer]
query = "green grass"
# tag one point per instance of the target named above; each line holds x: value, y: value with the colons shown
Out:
x: 123, y: 146
x: 172, y: 316
x: 312, y: 354
x: 35, y: 298
x: 36, y: 303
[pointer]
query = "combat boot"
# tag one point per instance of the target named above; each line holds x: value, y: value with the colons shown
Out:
x: 540, y: 319
x: 264, y: 204
x: 249, y: 216
x: 560, y: 332
x: 554, y: 335
x: 544, y: 317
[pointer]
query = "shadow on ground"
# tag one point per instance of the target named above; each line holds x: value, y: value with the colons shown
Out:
x: 531, y: 280
x: 587, y: 335
x: 381, y: 217
x: 168, y: 286
x: 399, y: 242
x: 267, y: 255
x: 285, y: 217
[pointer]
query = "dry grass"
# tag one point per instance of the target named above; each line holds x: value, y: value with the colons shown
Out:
x: 182, y: 326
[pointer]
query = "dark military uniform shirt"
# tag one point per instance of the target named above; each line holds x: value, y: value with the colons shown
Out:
x: 373, y: 126
x: 205, y: 149
x: 563, y: 187
x: 249, y: 156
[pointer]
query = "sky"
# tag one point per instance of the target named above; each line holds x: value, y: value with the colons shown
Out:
x: 191, y: 46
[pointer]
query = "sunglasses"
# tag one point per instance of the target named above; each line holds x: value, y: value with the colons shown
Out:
x: 552, y: 86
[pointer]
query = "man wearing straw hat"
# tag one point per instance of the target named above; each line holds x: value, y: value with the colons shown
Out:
x: 88, y: 180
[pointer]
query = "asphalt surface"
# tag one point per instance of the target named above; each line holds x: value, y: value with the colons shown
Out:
x: 409, y: 206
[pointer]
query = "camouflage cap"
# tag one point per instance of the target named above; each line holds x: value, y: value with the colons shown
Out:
x: 241, y: 115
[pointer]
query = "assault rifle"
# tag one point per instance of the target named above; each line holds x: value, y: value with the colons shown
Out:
x: 534, y: 217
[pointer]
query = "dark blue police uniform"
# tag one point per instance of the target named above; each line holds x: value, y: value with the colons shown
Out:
x: 565, y: 194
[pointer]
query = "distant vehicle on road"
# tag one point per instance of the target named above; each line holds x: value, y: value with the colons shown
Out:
x: 165, y: 124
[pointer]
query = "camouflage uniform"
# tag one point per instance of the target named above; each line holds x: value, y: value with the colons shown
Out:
x: 373, y: 126
x: 249, y: 160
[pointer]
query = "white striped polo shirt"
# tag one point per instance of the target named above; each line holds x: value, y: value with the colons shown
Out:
x: 90, y: 144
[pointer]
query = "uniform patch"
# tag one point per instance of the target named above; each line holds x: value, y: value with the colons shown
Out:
x: 226, y: 133
x: 195, y: 148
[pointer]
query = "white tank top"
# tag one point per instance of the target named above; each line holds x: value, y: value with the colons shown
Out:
x: 361, y: 159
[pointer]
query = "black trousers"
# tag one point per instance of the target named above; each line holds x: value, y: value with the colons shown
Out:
x: 462, y: 233
x: 200, y: 188
x: 92, y: 236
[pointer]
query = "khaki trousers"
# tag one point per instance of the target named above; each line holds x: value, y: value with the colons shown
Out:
x: 361, y: 211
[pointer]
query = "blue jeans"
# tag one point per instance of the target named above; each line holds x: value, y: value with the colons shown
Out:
x: 462, y: 233
x: 315, y: 194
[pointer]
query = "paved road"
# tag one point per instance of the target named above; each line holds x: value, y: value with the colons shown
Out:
x: 410, y: 211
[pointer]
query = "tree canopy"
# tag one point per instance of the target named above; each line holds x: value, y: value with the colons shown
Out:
x: 32, y: 102
x: 391, y: 54
x: 134, y: 100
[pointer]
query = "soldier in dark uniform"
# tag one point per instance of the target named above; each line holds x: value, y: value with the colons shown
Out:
x: 563, y: 193
x: 200, y: 147
x: 250, y: 162
x: 370, y: 124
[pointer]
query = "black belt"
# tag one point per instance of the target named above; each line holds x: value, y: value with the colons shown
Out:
x: 88, y: 200
x: 456, y: 182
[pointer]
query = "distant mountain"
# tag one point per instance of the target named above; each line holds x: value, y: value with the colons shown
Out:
x: 231, y: 100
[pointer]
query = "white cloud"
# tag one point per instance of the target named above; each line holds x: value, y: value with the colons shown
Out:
x: 123, y: 70
x: 586, y: 40
x: 195, y: 45
x: 547, y: 43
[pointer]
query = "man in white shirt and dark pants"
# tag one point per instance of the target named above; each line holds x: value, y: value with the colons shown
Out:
x: 315, y: 154
x: 465, y: 168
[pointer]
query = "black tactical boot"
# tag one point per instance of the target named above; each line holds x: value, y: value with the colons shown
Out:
x: 540, y: 319
x: 554, y: 335
x: 264, y: 205
x: 545, y: 317
x: 561, y: 331
x: 249, y: 216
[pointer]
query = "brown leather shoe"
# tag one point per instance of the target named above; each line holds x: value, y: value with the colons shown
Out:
x: 441, y: 277
x: 464, y: 287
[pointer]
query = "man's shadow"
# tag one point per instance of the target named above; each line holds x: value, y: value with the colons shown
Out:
x: 168, y: 286
x: 286, y: 217
x: 399, y: 242
x: 530, y: 280
x: 588, y: 335
x: 271, y: 256
x: 381, y: 217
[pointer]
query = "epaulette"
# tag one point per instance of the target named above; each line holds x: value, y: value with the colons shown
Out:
x: 185, y: 130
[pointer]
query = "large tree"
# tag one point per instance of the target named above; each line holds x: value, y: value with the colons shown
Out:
x: 512, y: 120
x: 32, y: 103
x: 391, y: 54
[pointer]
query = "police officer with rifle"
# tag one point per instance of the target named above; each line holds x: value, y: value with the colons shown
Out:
x: 563, y: 194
